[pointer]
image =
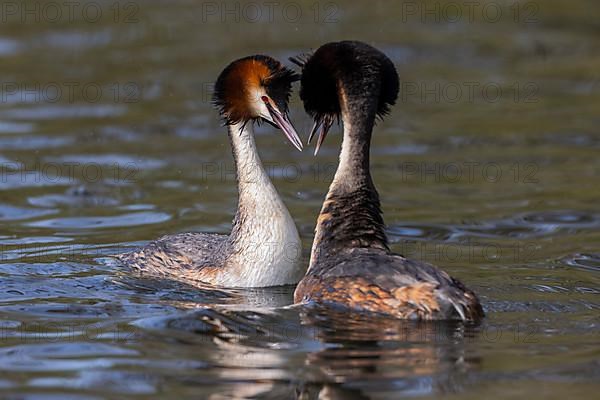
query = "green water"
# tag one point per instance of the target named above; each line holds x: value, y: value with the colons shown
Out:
x: 487, y: 166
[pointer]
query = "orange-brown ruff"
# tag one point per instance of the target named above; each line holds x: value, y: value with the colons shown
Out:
x: 263, y: 248
x: 351, y: 265
x: 244, y: 79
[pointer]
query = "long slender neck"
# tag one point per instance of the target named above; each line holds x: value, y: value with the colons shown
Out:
x: 351, y: 214
x: 256, y: 192
x: 264, y: 242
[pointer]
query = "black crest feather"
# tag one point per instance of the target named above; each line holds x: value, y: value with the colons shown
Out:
x: 351, y: 63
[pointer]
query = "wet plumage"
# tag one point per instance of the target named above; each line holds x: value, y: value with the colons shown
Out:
x: 190, y: 256
x: 379, y: 281
x: 263, y: 248
x: 351, y: 265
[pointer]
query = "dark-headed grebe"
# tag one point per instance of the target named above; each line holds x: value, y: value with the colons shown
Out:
x: 351, y: 265
x: 264, y: 247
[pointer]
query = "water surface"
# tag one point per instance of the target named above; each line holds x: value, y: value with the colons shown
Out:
x: 488, y: 167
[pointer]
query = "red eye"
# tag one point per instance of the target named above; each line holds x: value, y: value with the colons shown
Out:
x: 265, y: 99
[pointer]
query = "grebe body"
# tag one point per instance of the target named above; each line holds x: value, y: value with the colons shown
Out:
x: 351, y: 265
x: 264, y: 247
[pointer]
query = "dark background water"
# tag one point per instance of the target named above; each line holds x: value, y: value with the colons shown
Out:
x: 488, y: 167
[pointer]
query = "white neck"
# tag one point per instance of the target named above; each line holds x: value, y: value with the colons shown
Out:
x: 345, y: 174
x: 265, y: 245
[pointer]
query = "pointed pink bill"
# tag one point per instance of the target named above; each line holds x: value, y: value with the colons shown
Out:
x: 282, y: 121
x: 322, y: 125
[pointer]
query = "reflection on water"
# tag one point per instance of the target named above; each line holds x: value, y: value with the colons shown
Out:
x: 400, y: 358
x: 487, y: 166
x: 344, y: 354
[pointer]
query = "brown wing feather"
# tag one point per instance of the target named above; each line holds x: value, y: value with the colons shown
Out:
x: 374, y: 281
x: 184, y: 256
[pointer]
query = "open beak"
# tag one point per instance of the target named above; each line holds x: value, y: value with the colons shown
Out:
x: 322, y: 124
x: 281, y: 121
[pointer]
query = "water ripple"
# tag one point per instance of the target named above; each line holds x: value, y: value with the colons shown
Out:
x: 15, y: 127
x: 588, y: 262
x: 523, y: 226
x: 124, y: 220
x: 111, y: 381
x: 423, y: 231
x: 9, y: 46
x: 33, y: 142
x: 77, y: 196
x: 121, y: 160
x: 64, y: 112
x: 13, y: 213
x: 68, y: 349
x: 43, y: 269
x: 22, y: 179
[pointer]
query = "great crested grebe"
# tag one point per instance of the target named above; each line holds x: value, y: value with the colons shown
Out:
x: 264, y: 247
x: 351, y: 265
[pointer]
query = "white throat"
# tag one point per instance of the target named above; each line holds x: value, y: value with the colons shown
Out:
x: 266, y: 247
x: 344, y: 173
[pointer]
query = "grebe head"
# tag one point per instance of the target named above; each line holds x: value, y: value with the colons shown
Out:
x: 351, y: 70
x: 256, y: 88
